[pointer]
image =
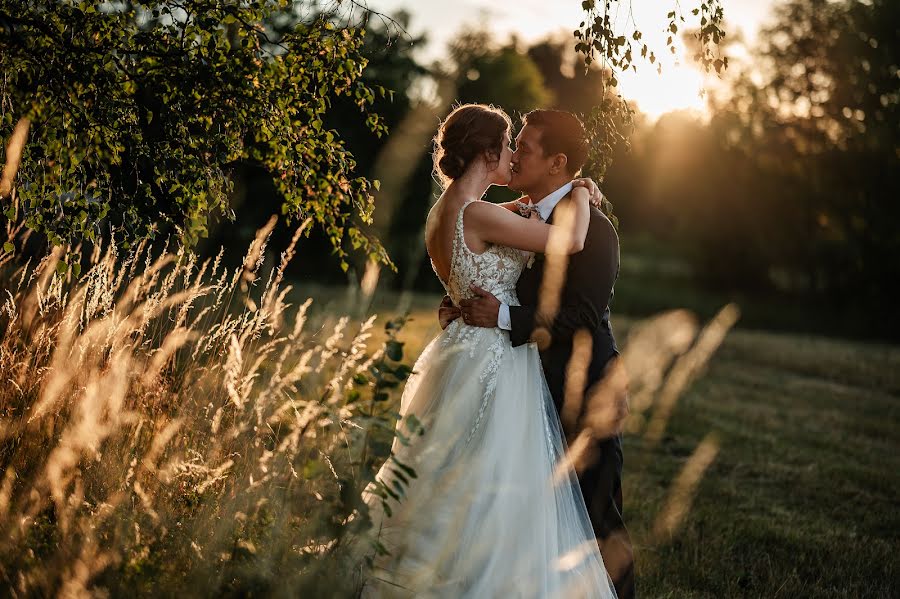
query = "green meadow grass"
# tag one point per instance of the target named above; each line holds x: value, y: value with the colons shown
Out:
x: 802, y: 497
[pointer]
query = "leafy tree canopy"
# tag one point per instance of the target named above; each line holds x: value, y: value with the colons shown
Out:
x: 503, y: 76
x: 603, y: 38
x: 138, y: 110
x: 823, y: 114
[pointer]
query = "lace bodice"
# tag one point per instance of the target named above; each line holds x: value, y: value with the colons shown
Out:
x: 495, y: 270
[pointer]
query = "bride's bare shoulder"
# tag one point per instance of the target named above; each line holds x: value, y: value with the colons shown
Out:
x: 433, y: 216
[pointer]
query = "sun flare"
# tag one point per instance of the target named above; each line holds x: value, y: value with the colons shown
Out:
x: 654, y: 94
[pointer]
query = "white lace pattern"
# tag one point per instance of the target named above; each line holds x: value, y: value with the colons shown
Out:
x: 495, y: 270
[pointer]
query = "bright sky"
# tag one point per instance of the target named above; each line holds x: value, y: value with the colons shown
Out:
x: 677, y: 88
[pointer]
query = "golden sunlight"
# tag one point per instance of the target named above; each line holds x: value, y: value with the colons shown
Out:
x: 654, y: 94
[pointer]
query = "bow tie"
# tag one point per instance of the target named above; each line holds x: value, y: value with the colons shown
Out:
x: 527, y: 210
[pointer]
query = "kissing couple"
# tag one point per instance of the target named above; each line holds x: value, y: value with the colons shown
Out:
x: 524, y: 366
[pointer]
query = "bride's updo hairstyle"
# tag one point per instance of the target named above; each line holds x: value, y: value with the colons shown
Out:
x: 470, y: 132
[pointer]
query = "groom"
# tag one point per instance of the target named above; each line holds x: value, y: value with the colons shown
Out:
x: 574, y: 333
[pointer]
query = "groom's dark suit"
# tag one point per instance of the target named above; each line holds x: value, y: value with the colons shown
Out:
x: 584, y: 305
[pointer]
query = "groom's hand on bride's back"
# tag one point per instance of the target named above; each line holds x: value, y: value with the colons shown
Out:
x: 447, y: 312
x: 481, y: 310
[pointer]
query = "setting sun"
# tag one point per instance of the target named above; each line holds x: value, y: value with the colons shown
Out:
x: 654, y: 94
x: 678, y: 87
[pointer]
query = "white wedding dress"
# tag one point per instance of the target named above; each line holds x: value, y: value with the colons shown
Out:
x: 492, y: 512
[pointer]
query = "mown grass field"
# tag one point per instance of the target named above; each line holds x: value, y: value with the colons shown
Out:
x: 801, y: 498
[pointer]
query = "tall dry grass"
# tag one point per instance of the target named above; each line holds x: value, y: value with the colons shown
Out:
x: 170, y: 426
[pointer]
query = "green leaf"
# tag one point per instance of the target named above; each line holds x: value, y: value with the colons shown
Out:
x: 154, y: 140
x: 402, y: 371
x: 394, y: 350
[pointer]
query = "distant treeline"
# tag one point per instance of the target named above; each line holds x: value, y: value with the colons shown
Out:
x: 788, y: 189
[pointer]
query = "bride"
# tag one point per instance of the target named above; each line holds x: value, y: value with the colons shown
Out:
x: 494, y: 510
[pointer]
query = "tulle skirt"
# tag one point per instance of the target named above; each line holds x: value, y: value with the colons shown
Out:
x: 494, y: 511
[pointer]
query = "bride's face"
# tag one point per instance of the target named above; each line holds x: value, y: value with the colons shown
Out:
x: 502, y: 172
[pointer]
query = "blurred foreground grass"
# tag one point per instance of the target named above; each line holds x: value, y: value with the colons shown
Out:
x: 801, y: 498
x: 170, y: 426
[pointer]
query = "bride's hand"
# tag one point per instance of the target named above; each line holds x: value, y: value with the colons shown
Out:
x: 596, y: 199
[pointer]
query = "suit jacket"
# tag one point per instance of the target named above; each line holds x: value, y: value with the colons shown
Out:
x: 584, y: 304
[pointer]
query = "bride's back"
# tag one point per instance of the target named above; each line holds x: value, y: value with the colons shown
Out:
x: 494, y: 268
x: 440, y: 230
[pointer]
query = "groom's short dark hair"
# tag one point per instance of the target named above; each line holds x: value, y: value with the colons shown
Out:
x: 561, y: 133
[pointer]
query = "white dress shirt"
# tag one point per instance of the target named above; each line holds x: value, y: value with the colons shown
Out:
x: 544, y: 207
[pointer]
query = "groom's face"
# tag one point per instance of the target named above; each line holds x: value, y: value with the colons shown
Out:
x: 530, y: 165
